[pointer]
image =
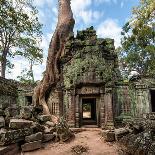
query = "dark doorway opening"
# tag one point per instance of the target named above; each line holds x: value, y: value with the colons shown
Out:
x: 153, y: 100
x: 28, y: 100
x: 89, y: 111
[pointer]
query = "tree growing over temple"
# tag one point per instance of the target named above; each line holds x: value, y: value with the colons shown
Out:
x: 55, y: 52
x: 138, y: 40
x: 20, y: 32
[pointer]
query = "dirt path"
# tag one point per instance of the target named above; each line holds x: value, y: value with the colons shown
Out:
x: 90, y: 139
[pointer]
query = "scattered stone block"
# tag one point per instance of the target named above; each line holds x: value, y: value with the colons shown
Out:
x: 48, y: 137
x: 2, y: 122
x: 20, y: 123
x: 108, y: 135
x: 37, y: 127
x: 44, y: 118
x: 31, y: 146
x: 34, y: 137
x: 26, y: 112
x: 14, y: 136
x: 119, y: 133
x: 47, y: 130
x: 9, y: 150
x: 50, y: 124
x: 11, y: 111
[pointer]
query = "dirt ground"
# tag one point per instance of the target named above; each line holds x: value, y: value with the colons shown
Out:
x: 90, y: 139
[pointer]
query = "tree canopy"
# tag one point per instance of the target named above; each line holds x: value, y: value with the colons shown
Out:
x: 138, y: 40
x: 20, y: 32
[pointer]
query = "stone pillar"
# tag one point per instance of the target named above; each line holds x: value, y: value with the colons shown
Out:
x: 71, y: 108
x: 60, y: 108
x: 109, y: 120
x: 102, y: 110
x: 77, y: 112
x: 142, y: 100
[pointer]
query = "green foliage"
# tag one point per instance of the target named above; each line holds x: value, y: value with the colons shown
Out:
x: 138, y: 40
x: 81, y: 65
x: 20, y: 31
x: 26, y: 77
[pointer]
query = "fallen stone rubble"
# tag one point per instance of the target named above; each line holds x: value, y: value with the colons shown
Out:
x: 136, y: 138
x: 29, y: 129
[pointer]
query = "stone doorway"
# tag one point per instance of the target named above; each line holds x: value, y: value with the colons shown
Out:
x: 152, y: 100
x: 89, y: 115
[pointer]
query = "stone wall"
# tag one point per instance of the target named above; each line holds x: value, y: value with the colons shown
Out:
x: 133, y: 99
x: 8, y: 93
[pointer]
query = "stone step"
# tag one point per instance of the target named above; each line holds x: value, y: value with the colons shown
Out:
x: 85, y: 129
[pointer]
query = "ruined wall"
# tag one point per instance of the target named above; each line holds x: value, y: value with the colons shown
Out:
x: 25, y: 93
x: 8, y: 93
x: 133, y: 99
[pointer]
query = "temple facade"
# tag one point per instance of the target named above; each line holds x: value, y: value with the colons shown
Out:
x: 89, y: 72
x: 91, y: 91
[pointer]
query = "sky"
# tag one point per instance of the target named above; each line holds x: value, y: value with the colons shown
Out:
x: 107, y: 17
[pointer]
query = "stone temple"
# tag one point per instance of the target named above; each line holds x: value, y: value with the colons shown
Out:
x: 89, y: 69
x: 91, y: 91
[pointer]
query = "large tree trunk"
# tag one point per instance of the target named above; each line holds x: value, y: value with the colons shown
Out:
x: 55, y: 52
x: 3, y: 63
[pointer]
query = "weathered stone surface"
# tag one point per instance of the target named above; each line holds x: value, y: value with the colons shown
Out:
x: 2, y: 112
x: 13, y: 136
x: 37, y: 127
x: 26, y: 112
x: 2, y: 122
x: 9, y: 150
x: 50, y: 124
x: 47, y: 129
x: 34, y: 137
x: 109, y: 136
x: 44, y: 118
x: 20, y: 123
x: 11, y: 111
x: 119, y: 133
x: 31, y: 146
x: 48, y: 137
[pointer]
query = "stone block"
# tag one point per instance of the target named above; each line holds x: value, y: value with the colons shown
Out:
x: 26, y: 112
x: 9, y: 150
x: 20, y: 123
x: 47, y: 129
x: 11, y: 111
x: 37, y: 127
x: 50, y: 124
x: 34, y: 137
x: 31, y: 146
x: 119, y: 133
x: 2, y: 112
x: 2, y: 122
x: 152, y: 116
x: 13, y: 136
x: 48, y: 137
x: 44, y: 118
x: 108, y: 135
